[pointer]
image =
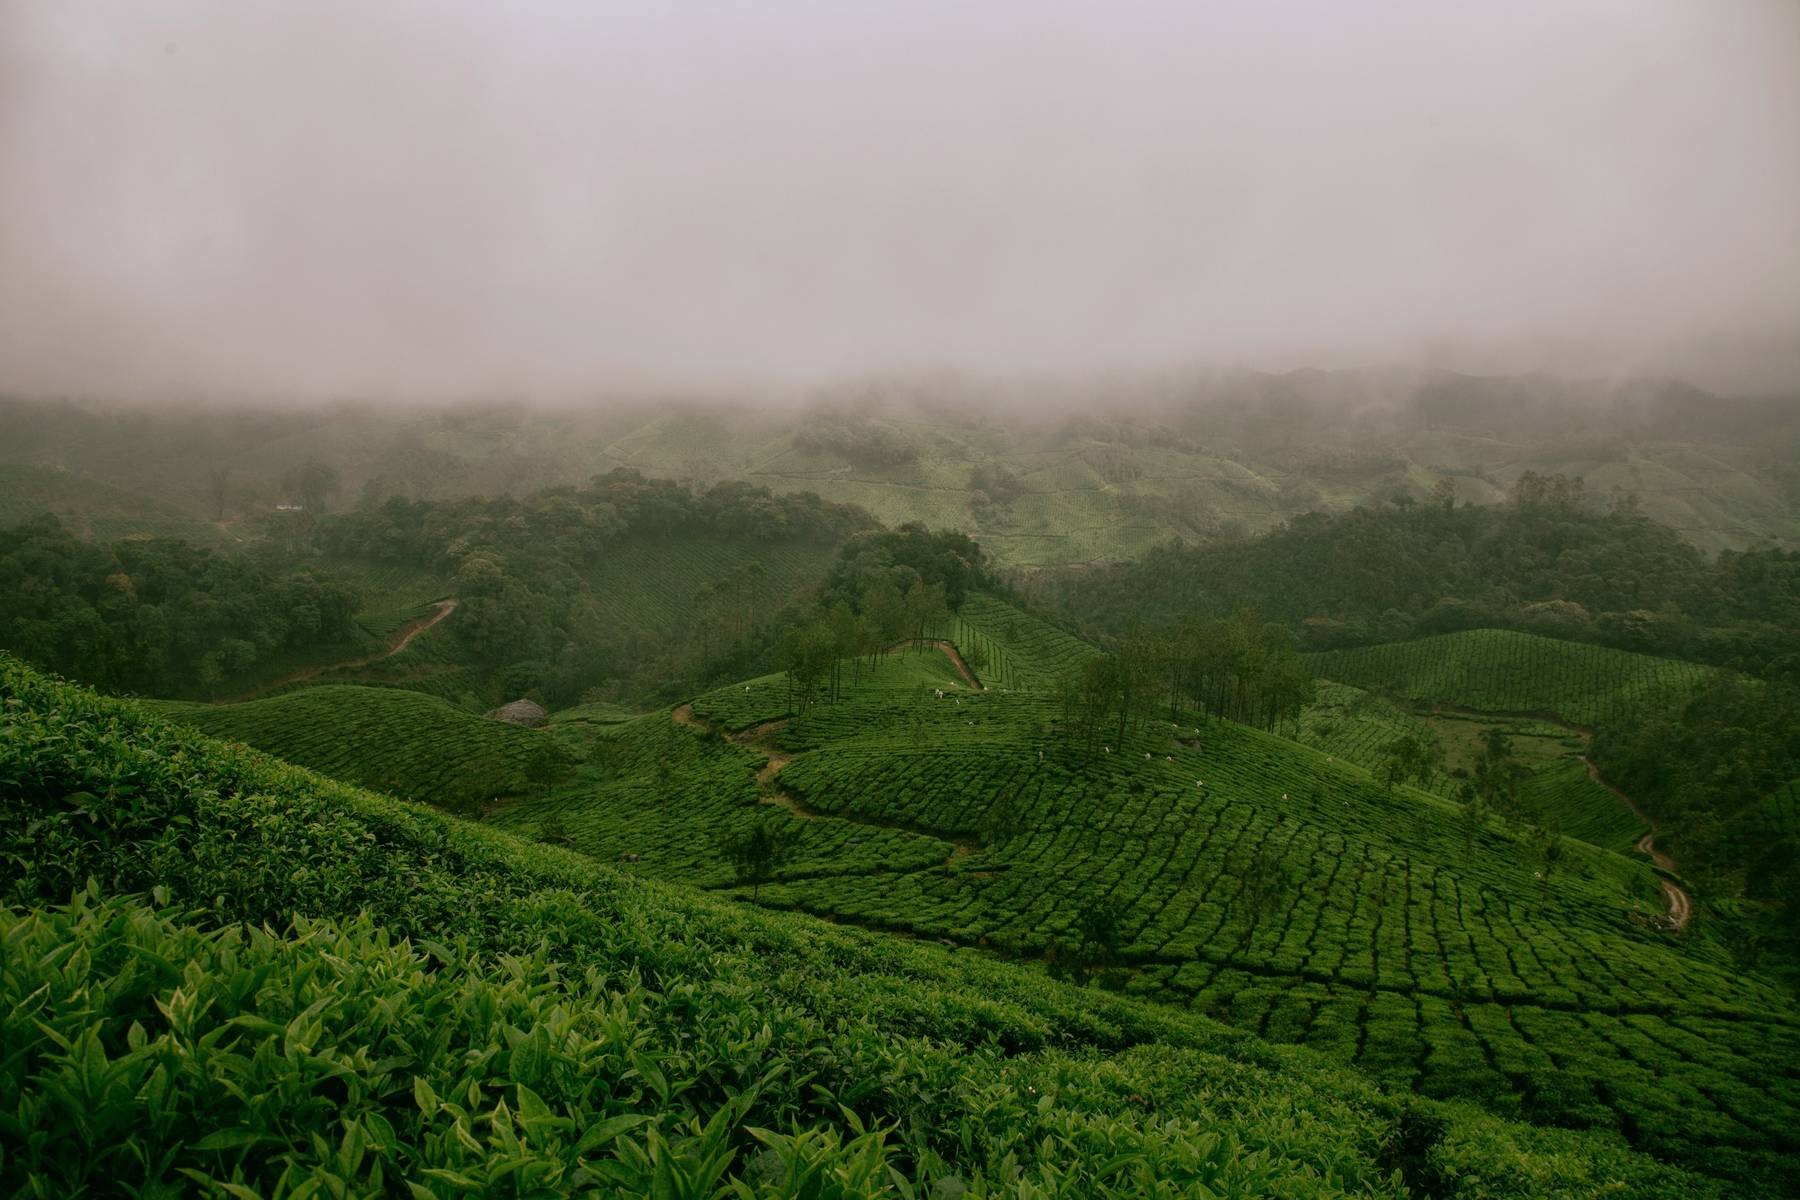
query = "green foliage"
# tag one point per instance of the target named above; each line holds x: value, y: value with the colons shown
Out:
x: 418, y: 1002
x: 909, y: 557
x: 626, y: 586
x: 158, y: 616
x: 1548, y: 565
x: 757, y: 853
x: 1499, y: 670
x: 407, y: 745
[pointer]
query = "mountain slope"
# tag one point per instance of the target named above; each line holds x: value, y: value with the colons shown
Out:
x: 1239, y: 874
x: 430, y: 1001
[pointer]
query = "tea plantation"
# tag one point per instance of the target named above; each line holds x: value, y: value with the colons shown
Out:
x: 1199, y: 871
x: 1435, y: 959
x: 1501, y: 670
x: 226, y: 976
x: 400, y: 742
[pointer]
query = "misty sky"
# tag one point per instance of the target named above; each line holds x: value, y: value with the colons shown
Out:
x: 537, y: 198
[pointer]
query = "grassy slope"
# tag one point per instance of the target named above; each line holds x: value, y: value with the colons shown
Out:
x: 1355, y: 725
x: 1389, y: 949
x: 399, y: 742
x: 1499, y: 670
x: 1082, y: 499
x: 1069, y: 512
x: 438, y: 1003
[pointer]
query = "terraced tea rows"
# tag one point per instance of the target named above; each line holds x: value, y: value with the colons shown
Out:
x: 1357, y: 726
x: 401, y: 742
x: 1022, y: 651
x: 1499, y: 670
x: 1475, y: 979
x: 1581, y: 806
x: 667, y: 797
x: 1383, y: 944
x: 595, y: 1031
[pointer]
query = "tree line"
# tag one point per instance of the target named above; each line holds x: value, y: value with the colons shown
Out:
x: 1553, y: 561
x: 1239, y: 668
x: 159, y: 616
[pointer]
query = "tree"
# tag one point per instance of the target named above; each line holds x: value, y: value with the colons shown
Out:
x: 1471, y: 818
x: 1265, y: 883
x: 547, y: 763
x: 218, y: 480
x: 1548, y: 848
x: 1407, y: 758
x: 758, y: 852
x: 1001, y: 822
x: 1497, y: 776
x: 312, y: 483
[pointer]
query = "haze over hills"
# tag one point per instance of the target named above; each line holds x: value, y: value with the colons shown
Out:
x: 1028, y: 468
x: 926, y: 602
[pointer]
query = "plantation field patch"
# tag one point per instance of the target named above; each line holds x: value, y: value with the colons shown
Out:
x: 1019, y: 650
x: 1500, y: 670
x: 609, y: 1029
x: 403, y: 743
x: 1448, y: 969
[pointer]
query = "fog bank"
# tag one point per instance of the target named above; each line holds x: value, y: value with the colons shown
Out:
x: 567, y: 199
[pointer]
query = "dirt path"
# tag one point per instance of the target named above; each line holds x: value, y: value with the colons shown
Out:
x: 950, y: 652
x: 400, y: 641
x: 1681, y: 905
x: 761, y: 738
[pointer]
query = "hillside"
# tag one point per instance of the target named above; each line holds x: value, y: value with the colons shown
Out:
x: 1018, y: 464
x: 399, y: 742
x: 1500, y: 670
x: 424, y: 1000
x: 1358, y: 726
x: 1217, y: 869
x: 94, y: 508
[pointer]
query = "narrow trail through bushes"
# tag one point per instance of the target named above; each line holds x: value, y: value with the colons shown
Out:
x: 950, y: 652
x: 761, y: 738
x: 1681, y: 905
x: 400, y: 641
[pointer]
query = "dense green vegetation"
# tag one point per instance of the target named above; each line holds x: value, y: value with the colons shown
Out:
x: 1056, y: 476
x: 1296, y: 897
x: 1362, y: 727
x: 1702, y: 751
x: 556, y: 600
x: 1546, y: 563
x: 1500, y: 670
x: 1323, y: 788
x: 1714, y: 772
x: 161, y: 616
x: 415, y: 1000
x: 394, y: 741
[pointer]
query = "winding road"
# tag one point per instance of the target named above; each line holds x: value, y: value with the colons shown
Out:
x: 396, y: 644
x: 1681, y: 905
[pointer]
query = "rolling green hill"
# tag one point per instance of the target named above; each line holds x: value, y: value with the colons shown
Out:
x: 1181, y: 459
x: 399, y: 742
x: 93, y: 508
x: 1356, y: 726
x: 414, y: 998
x: 1500, y: 670
x: 1378, y: 932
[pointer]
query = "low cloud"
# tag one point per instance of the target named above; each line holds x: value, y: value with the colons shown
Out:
x: 572, y: 199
